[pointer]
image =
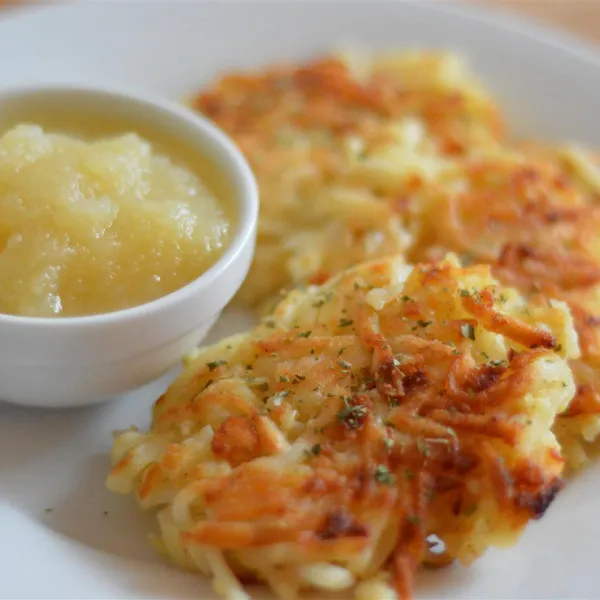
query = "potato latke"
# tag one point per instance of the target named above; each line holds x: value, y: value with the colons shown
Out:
x: 325, y: 448
x: 336, y: 145
x: 359, y: 158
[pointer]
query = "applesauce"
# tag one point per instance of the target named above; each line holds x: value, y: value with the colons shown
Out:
x: 92, y: 226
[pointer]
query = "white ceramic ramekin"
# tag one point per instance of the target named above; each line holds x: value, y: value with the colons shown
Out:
x: 54, y: 362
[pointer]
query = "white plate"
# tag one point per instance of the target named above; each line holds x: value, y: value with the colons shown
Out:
x: 93, y: 544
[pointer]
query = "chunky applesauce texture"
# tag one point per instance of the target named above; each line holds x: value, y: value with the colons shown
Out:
x: 89, y: 227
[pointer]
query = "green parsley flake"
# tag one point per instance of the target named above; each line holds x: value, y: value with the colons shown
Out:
x: 351, y: 414
x: 304, y: 334
x: 344, y: 364
x: 382, y: 475
x: 215, y: 364
x: 346, y: 322
x: 497, y: 363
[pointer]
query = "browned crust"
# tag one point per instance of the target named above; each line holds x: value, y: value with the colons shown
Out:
x: 421, y: 426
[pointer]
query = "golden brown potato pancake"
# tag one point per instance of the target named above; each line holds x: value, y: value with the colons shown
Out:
x: 325, y: 448
x: 336, y: 144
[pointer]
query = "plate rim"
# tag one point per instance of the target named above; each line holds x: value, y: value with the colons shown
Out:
x: 540, y: 34
x: 523, y: 25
